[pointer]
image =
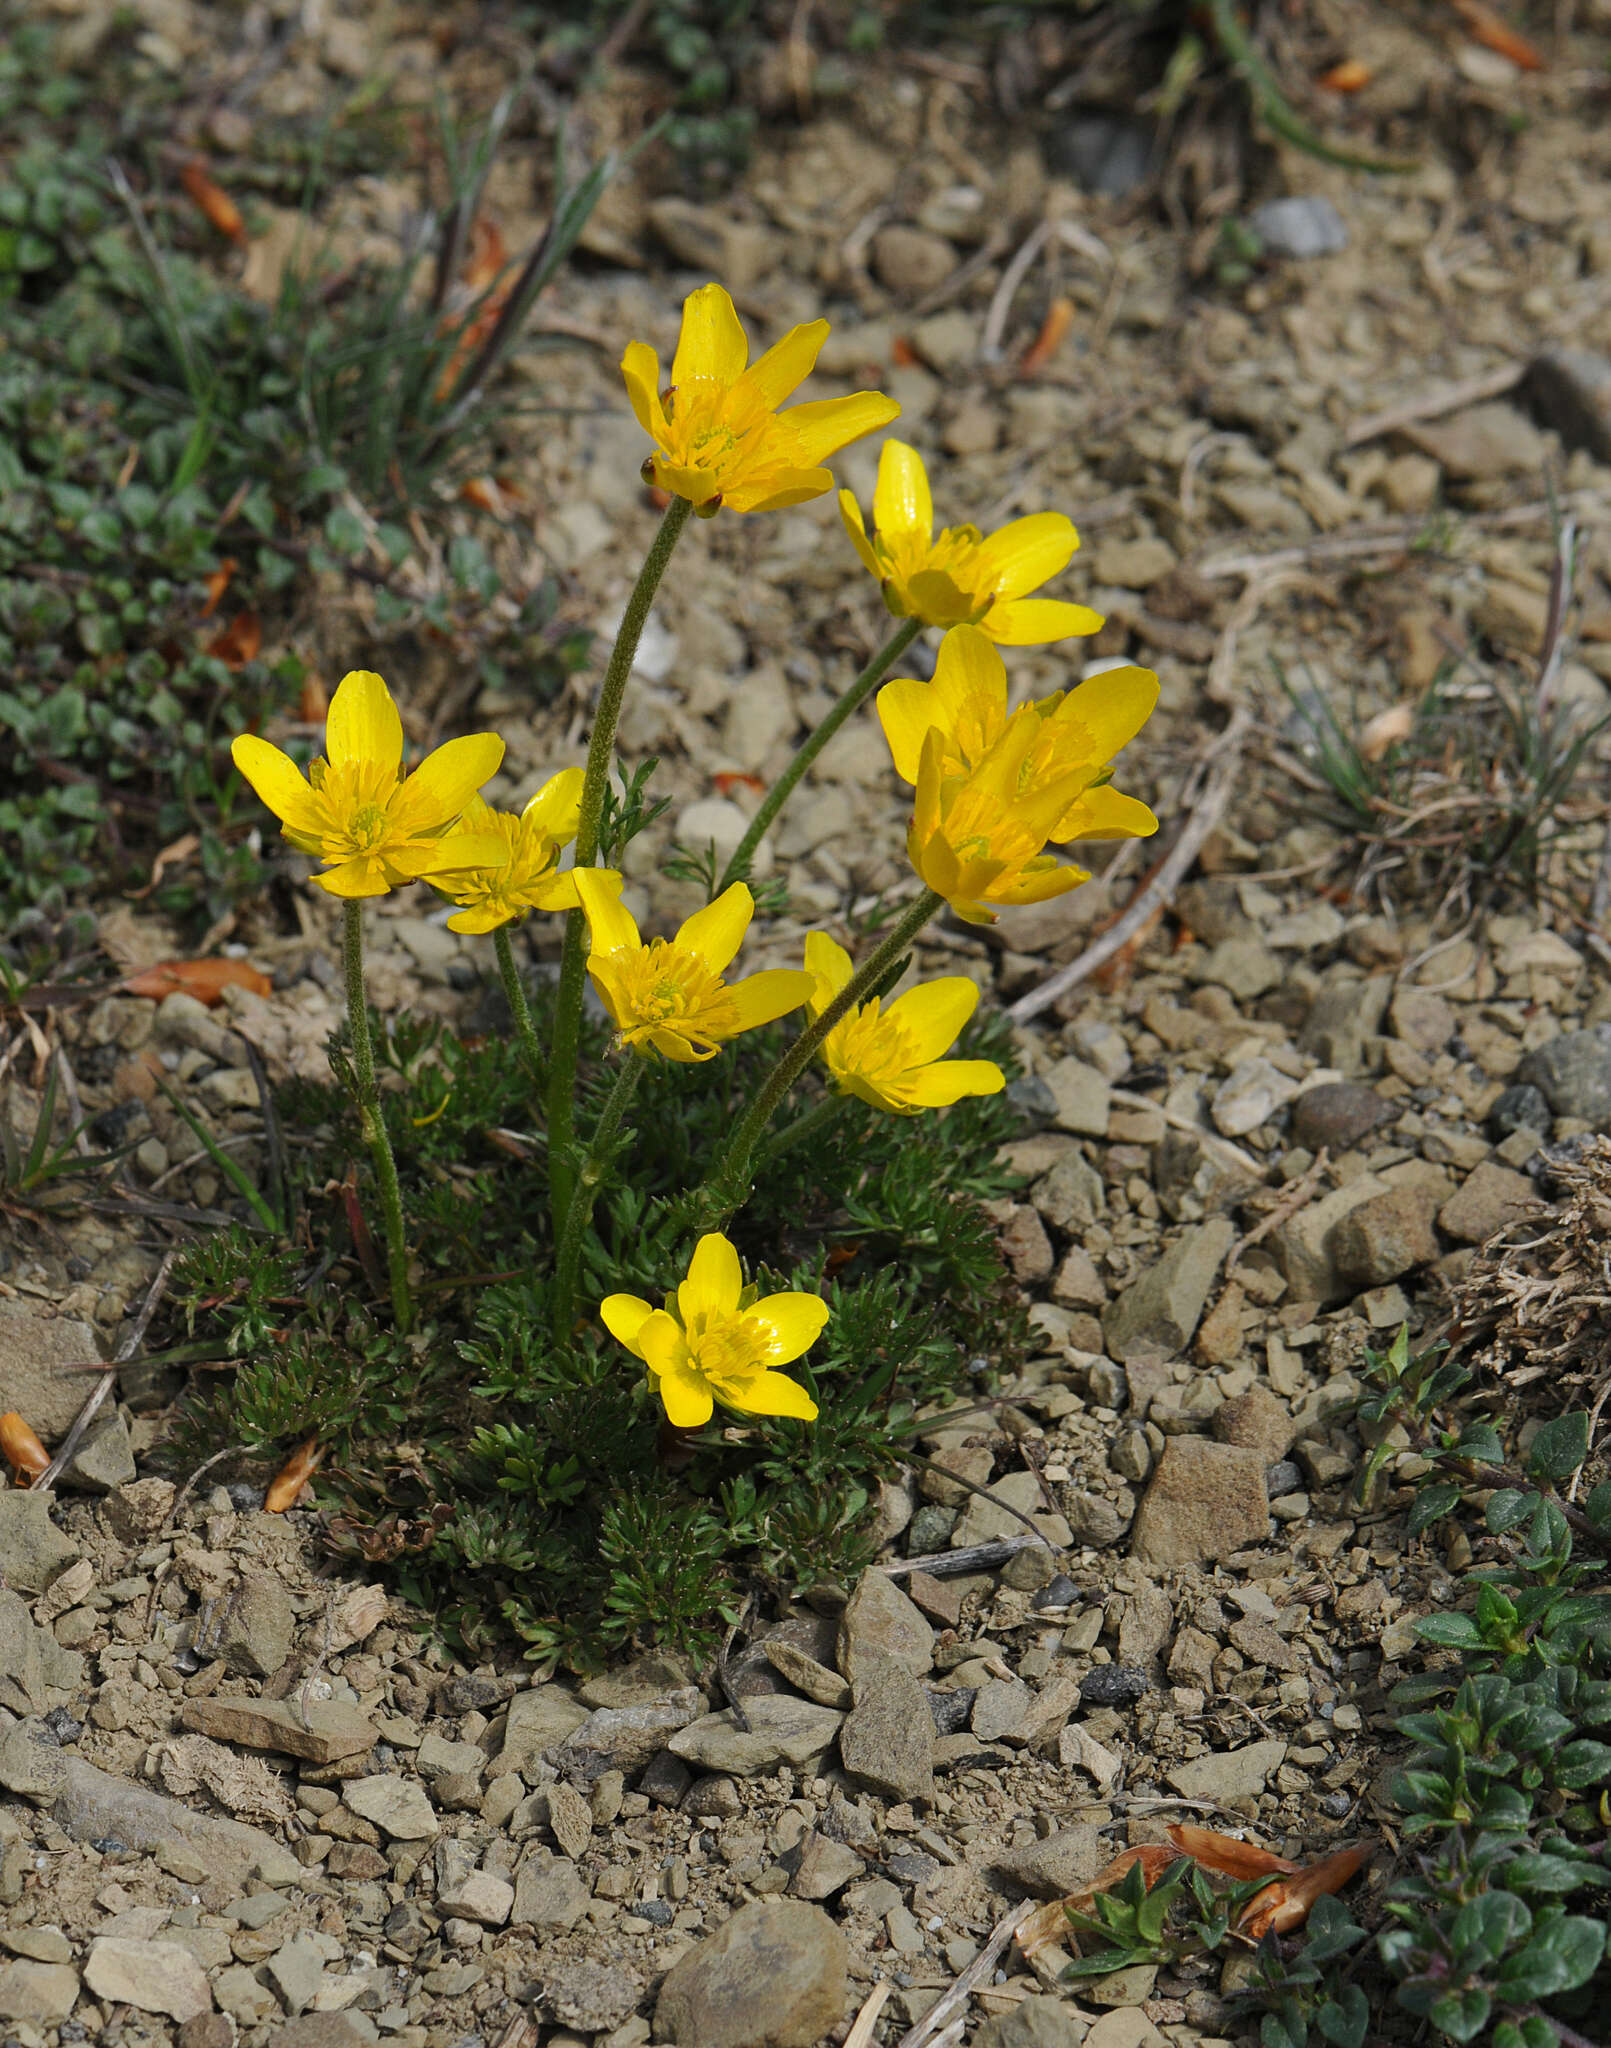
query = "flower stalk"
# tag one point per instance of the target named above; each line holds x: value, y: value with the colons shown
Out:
x: 371, y: 1121
x: 601, y: 747
x: 726, y: 1186
x: 737, y: 868
x: 579, y: 1209
x: 515, y: 995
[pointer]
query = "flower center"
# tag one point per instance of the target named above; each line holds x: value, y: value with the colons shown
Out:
x: 661, y: 985
x: 955, y: 588
x: 723, y: 1348
x: 877, y: 1047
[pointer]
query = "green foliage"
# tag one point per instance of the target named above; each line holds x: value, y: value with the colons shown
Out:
x: 521, y: 1484
x: 1186, y: 1913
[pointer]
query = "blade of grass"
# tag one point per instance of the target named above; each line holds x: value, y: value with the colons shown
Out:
x: 236, y: 1173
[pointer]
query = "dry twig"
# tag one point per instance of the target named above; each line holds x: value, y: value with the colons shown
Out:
x: 931, y: 2029
x: 125, y: 1351
x: 1433, y: 404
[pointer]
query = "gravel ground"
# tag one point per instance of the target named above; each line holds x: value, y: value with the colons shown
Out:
x: 245, y: 1803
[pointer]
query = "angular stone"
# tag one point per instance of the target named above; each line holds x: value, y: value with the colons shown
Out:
x: 1255, y: 1421
x: 105, y: 1457
x: 806, y: 1675
x: 1026, y: 1247
x: 1570, y: 390
x: 1081, y: 1094
x: 1489, y: 440
x: 538, y: 1720
x: 772, y: 1976
x: 152, y: 1976
x: 33, y: 1551
x: 1387, y: 1236
x: 825, y: 1867
x: 1302, y: 225
x: 1338, y: 1115
x: 1249, y: 1096
x: 1204, y: 1501
x: 1228, y: 1774
x: 41, y: 1993
x: 1342, y: 1021
x: 1035, y: 2023
x: 321, y: 1733
x: 438, y: 1758
x: 1157, y: 1314
x: 887, y: 1741
x: 258, y: 1623
x: 481, y: 1896
x: 296, y: 1970
x: 550, y: 1896
x: 782, y: 1730
x: 1064, y: 1862
x: 397, y: 1806
x: 879, y: 1621
x: 1303, y: 1247
x: 570, y: 1818
x: 1490, y: 1197
x: 1573, y: 1073
x: 34, y: 1348
x: 592, y: 1996
x: 624, y: 1738
x: 999, y: 1708
x: 1078, y: 1284
x: 36, y: 1673
x: 989, y: 1515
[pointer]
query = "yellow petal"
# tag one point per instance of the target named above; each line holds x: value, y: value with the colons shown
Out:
x: 362, y: 723
x: 686, y: 1397
x: 823, y: 427
x: 610, y: 991
x: 902, y: 502
x: 278, y: 781
x: 610, y: 925
x: 776, y: 489
x: 774, y: 1393
x: 1112, y: 706
x: 855, y: 526
x: 716, y: 932
x: 712, y: 342
x: 715, y: 1279
x: 760, y: 998
x: 787, y: 1324
x: 555, y: 892
x: 1028, y: 552
x: 556, y: 809
x: 624, y: 1316
x: 444, y: 782
x: 829, y: 966
x: 1105, y: 813
x: 787, y: 363
x: 640, y: 372
x: 670, y: 1043
x: 906, y: 712
x: 934, y: 1012
x: 698, y: 486
x: 947, y: 1081
x: 365, y: 876
x: 1032, y: 621
x: 1038, y: 882
x: 485, y: 918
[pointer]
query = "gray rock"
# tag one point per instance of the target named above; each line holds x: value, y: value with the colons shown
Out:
x: 911, y: 261
x: 1064, y: 1862
x: 1489, y: 1197
x: 152, y: 1976
x: 1573, y: 1073
x: 1034, y: 2023
x: 311, y: 2030
x: 624, y: 1738
x: 1570, y: 390
x: 36, y: 1673
x: 1302, y: 227
x: 320, y: 1733
x: 1114, y: 1685
x: 1081, y: 1094
x: 887, y: 1741
x: 1304, y: 1247
x: 1342, y: 1021
x: 1228, y: 1774
x: 296, y: 1970
x: 1520, y: 1108
x: 40, y: 1993
x: 1092, y: 1519
x: 1338, y: 1115
x: 772, y: 1976
x: 930, y: 1529
x: 1203, y: 1501
x: 824, y: 1867
x: 397, y: 1806
x: 999, y: 1708
x: 806, y: 1675
x: 437, y: 1757
x: 551, y: 1895
x: 1108, y: 153
x: 1193, y: 1181
x: 538, y: 1720
x: 1158, y: 1313
x: 1249, y: 1096
x: 1243, y: 967
x: 570, y: 1818
x: 136, y: 1512
x: 1387, y: 1236
x: 256, y: 1626
x: 105, y: 1457
x: 1070, y: 1195
x: 880, y: 1621
x: 593, y: 1996
x: 33, y: 1551
x: 782, y: 1730
x: 34, y: 1349
x: 989, y: 1515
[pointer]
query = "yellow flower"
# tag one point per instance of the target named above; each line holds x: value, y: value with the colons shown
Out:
x: 891, y: 1058
x: 499, y: 867
x: 720, y: 439
x: 374, y: 827
x: 966, y: 704
x: 669, y: 995
x: 962, y: 578
x: 714, y: 1341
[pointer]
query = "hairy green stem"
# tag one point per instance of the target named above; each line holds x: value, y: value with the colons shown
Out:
x: 514, y: 990
x: 601, y: 745
x: 780, y: 792
x: 579, y: 1211
x: 817, y: 1118
x: 726, y: 1186
x: 371, y: 1121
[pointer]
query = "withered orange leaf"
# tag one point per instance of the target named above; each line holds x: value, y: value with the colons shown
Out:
x: 902, y: 355
x: 483, y: 493
x: 1286, y: 1904
x: 214, y: 201
x: 206, y: 980
x: 488, y: 260
x: 23, y: 1451
x: 1049, y: 1923
x: 729, y: 779
x: 293, y: 1475
x: 1348, y: 76
x: 1226, y: 1854
x: 1053, y: 333
x: 313, y: 700
x: 1484, y: 26
x: 217, y: 583
x: 239, y: 641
